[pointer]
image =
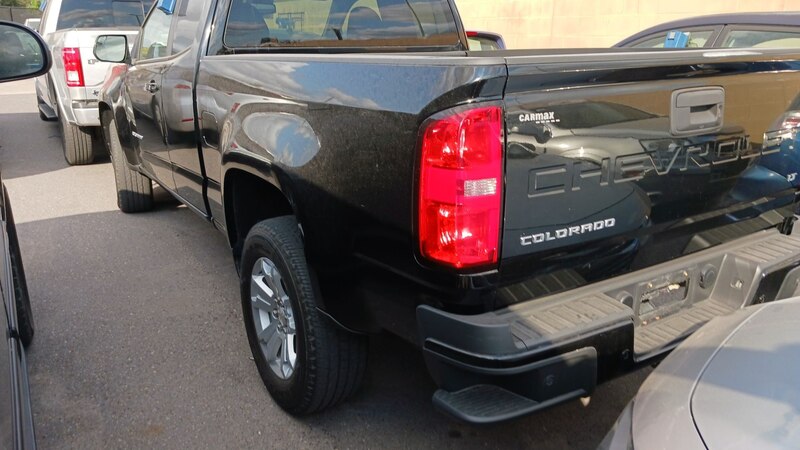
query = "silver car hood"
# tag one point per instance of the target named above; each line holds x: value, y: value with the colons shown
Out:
x: 748, y: 396
x: 735, y: 383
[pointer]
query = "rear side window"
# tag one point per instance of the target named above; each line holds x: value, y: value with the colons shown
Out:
x: 102, y: 13
x: 762, y: 39
x: 340, y: 23
x: 696, y: 39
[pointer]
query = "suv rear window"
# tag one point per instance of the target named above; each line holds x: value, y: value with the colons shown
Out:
x: 340, y: 23
x: 102, y: 13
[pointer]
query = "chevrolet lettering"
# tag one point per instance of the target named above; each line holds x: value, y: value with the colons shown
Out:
x: 578, y: 174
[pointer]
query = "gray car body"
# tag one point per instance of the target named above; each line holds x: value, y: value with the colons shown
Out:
x: 733, y: 384
x: 16, y: 416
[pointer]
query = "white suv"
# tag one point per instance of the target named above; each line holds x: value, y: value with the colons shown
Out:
x: 69, y: 92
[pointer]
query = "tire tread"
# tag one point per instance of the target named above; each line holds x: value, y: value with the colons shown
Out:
x: 134, y: 190
x: 77, y: 142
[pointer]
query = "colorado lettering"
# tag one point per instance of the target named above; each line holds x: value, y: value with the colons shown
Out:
x: 567, y: 232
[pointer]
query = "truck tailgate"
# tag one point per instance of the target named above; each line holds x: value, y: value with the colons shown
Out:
x: 619, y: 161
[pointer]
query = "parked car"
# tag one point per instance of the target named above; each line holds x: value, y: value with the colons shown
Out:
x: 757, y: 30
x: 760, y: 30
x: 733, y: 384
x: 484, y: 40
x: 23, y: 54
x: 370, y: 174
x: 68, y: 93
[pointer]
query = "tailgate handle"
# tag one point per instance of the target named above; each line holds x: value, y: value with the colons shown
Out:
x: 697, y: 110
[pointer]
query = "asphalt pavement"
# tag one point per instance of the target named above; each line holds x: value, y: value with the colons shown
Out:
x: 139, y: 338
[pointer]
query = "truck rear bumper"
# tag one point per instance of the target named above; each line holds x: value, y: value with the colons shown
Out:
x: 511, y: 362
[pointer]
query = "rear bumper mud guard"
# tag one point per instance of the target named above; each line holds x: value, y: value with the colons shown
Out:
x: 518, y: 360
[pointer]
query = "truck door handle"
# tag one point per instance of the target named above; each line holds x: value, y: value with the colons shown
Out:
x: 151, y: 87
x: 697, y: 110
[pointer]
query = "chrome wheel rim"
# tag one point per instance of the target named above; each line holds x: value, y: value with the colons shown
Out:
x: 273, y: 318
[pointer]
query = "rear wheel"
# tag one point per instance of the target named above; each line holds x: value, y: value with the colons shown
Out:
x: 77, y: 142
x: 134, y: 190
x: 306, y: 362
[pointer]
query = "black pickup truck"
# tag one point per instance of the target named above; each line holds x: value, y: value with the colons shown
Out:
x: 536, y: 222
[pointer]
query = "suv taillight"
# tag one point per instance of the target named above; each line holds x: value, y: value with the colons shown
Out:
x: 73, y: 68
x: 790, y: 122
x: 461, y: 183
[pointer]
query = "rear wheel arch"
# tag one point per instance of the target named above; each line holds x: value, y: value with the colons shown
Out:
x: 107, y: 114
x: 249, y: 199
x: 104, y: 110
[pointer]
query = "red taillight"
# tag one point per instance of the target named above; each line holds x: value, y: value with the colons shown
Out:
x: 790, y: 122
x: 472, y: 34
x: 460, y: 193
x: 73, y: 68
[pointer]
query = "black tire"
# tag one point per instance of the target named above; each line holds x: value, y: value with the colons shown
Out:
x: 134, y: 190
x: 77, y: 142
x: 22, y: 299
x: 330, y: 361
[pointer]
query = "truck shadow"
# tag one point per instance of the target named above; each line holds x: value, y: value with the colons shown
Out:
x: 140, y: 341
x: 24, y: 154
x: 397, y: 395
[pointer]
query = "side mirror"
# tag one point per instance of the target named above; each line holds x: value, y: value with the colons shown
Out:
x: 483, y: 40
x: 112, y: 48
x: 23, y: 53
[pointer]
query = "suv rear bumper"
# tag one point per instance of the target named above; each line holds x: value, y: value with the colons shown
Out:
x: 86, y: 113
x: 527, y: 357
x: 77, y: 109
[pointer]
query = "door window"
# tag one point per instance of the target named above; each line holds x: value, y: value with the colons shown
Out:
x: 155, y: 35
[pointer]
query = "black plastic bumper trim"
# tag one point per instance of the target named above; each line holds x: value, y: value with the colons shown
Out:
x: 551, y: 381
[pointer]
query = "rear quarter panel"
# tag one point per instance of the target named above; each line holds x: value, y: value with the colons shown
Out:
x: 338, y: 135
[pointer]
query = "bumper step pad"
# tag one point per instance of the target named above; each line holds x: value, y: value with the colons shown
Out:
x: 554, y: 322
x: 668, y: 332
